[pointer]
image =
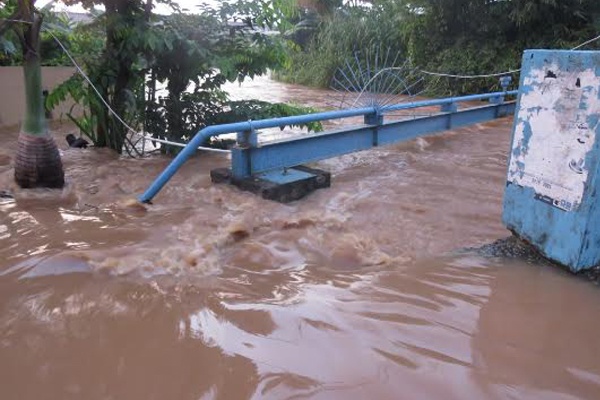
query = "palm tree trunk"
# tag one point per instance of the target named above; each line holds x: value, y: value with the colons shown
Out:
x: 37, y: 163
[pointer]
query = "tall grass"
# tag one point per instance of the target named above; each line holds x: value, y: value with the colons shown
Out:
x: 449, y: 37
x: 337, y: 38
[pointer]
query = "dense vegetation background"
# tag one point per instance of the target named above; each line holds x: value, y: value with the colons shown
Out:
x: 163, y: 74
x: 450, y: 36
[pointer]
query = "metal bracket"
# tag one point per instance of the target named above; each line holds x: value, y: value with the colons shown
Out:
x: 375, y: 119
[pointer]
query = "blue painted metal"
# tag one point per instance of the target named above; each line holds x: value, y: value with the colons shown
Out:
x: 285, y: 176
x: 505, y: 81
x: 343, y: 142
x: 551, y: 198
x: 289, y: 153
x: 450, y: 107
x: 446, y: 100
x: 247, y: 138
x: 211, y: 131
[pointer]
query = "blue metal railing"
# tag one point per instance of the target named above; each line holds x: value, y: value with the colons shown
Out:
x: 211, y: 131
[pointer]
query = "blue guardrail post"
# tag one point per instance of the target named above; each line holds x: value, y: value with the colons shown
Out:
x: 552, y: 195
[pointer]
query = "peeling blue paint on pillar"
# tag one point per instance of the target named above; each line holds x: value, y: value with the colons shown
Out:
x: 551, y: 197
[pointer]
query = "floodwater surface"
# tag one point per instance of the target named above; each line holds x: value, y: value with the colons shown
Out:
x: 376, y: 288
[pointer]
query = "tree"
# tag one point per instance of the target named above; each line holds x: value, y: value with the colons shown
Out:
x: 193, y: 55
x: 323, y: 7
x: 37, y: 163
x: 483, y: 36
x: 465, y: 37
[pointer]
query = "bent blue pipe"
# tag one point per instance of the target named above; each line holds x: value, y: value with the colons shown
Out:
x: 210, y: 131
x: 206, y: 133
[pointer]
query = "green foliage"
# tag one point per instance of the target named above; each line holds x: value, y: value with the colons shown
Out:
x: 478, y: 36
x: 200, y: 111
x: 76, y: 89
x: 461, y: 37
x: 61, y: 27
x: 189, y: 56
x: 80, y: 39
x: 238, y: 111
x: 84, y: 40
x: 180, y: 120
x: 345, y: 32
x: 196, y: 55
x: 71, y: 87
x: 8, y: 51
x: 8, y: 38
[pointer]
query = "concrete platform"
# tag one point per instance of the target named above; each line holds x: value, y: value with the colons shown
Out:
x: 282, y: 186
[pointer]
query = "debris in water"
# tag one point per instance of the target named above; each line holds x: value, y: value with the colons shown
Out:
x: 513, y: 247
x: 133, y: 206
x: 6, y: 197
x: 79, y: 142
x: 238, y: 231
x: 510, y: 247
x: 593, y: 274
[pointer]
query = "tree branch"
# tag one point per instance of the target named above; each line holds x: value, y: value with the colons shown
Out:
x: 8, y: 23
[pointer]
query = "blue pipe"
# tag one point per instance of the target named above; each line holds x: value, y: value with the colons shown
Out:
x: 204, y: 134
x: 447, y: 100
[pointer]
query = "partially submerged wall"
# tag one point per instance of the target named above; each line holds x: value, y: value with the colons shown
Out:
x: 552, y: 196
x: 12, y: 98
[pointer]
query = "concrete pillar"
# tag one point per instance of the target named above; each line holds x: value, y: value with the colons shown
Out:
x: 551, y: 198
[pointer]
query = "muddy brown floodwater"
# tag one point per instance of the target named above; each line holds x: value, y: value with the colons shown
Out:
x: 372, y: 289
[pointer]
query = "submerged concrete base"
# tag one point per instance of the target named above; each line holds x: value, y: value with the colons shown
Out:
x: 282, y: 185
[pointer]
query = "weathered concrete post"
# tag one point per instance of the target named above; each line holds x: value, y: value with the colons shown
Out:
x: 552, y: 197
